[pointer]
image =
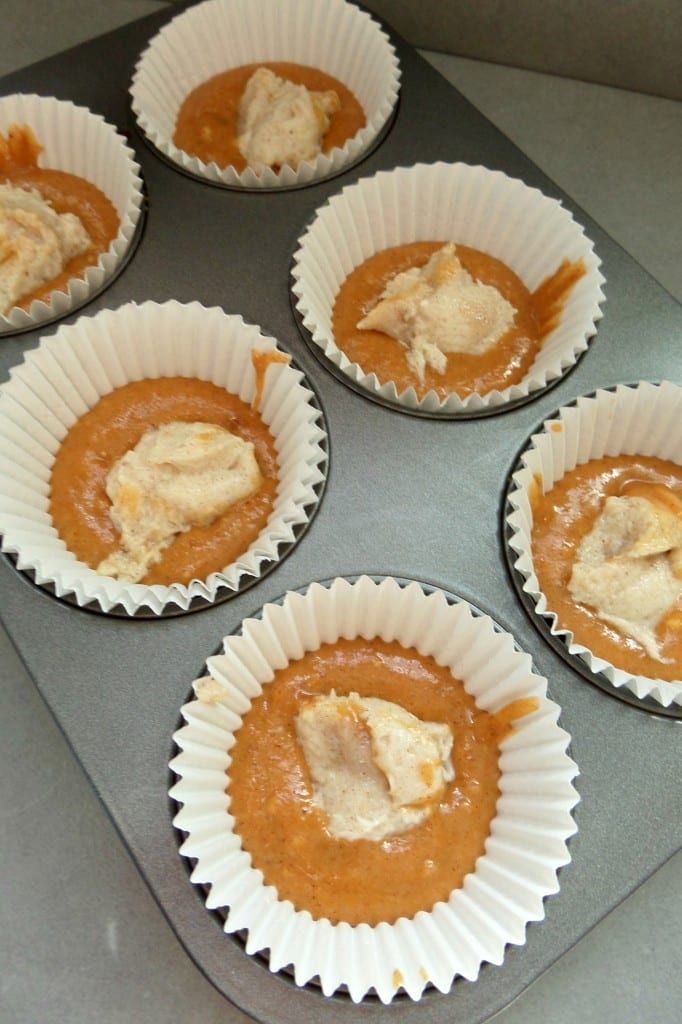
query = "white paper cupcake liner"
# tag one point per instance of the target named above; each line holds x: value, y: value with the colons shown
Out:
x: 528, y: 840
x: 333, y: 36
x: 79, y: 142
x: 67, y: 375
x: 474, y: 206
x: 640, y: 420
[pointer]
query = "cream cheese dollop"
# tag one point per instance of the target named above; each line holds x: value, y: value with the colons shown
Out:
x: 36, y: 242
x: 177, y: 476
x: 377, y: 770
x: 437, y: 309
x: 280, y: 122
x: 629, y: 567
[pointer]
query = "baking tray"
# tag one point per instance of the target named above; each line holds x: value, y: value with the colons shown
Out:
x: 406, y: 496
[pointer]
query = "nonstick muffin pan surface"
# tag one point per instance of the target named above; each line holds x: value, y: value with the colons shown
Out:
x: 405, y: 496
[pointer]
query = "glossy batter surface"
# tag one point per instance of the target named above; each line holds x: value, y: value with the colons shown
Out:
x: 206, y: 126
x: 561, y: 518
x: 356, y: 881
x: 506, y: 363
x: 78, y: 500
x: 68, y: 193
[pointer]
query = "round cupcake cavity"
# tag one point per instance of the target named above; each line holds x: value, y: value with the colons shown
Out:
x: 335, y: 37
x: 470, y: 206
x: 527, y: 842
x: 637, y: 420
x: 79, y: 142
x: 67, y: 375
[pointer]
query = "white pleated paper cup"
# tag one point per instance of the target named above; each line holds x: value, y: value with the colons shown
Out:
x: 333, y: 36
x: 75, y: 140
x: 68, y: 374
x: 528, y: 840
x: 473, y: 206
x: 644, y: 419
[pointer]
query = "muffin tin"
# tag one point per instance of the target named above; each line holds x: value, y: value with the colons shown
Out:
x: 406, y: 496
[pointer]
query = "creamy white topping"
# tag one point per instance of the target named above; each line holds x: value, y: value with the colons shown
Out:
x: 376, y: 769
x: 439, y: 308
x: 36, y: 242
x: 178, y: 476
x: 280, y: 122
x: 629, y: 567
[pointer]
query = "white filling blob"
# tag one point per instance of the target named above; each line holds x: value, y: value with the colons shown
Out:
x: 628, y: 567
x: 280, y: 122
x: 439, y: 308
x: 376, y: 769
x: 178, y: 476
x: 36, y: 243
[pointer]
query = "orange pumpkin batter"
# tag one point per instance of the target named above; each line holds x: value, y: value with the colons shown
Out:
x: 355, y: 881
x: 504, y: 364
x: 67, y: 193
x: 79, y: 504
x: 562, y: 517
x: 206, y: 126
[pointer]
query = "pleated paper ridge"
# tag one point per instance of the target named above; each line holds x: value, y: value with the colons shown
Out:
x: 82, y: 143
x: 528, y: 841
x: 644, y: 419
x: 334, y: 36
x: 474, y: 206
x: 68, y: 373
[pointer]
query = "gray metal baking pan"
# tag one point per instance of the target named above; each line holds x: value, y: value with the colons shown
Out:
x: 406, y: 496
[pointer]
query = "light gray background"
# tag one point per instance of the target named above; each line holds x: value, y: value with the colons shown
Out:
x: 81, y: 938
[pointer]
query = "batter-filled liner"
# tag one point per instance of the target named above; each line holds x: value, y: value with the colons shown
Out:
x: 211, y: 38
x: 641, y: 420
x: 206, y: 127
x: 66, y: 193
x: 473, y: 207
x: 88, y: 160
x: 528, y: 834
x: 80, y: 507
x: 271, y: 791
x: 66, y: 376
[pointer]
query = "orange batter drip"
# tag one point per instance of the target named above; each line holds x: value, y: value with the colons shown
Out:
x: 207, y: 121
x: 563, y: 516
x: 285, y: 834
x: 67, y: 193
x: 79, y: 504
x: 506, y: 363
x: 506, y: 716
x: 262, y: 361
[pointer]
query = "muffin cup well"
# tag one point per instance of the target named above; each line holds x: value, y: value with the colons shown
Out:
x: 528, y: 840
x: 82, y: 143
x: 642, y: 419
x: 67, y: 375
x: 335, y: 37
x: 476, y: 207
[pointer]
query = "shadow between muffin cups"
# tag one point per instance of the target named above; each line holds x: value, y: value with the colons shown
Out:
x: 473, y: 206
x: 638, y: 419
x: 80, y: 142
x: 336, y: 37
x: 67, y: 375
x: 524, y: 850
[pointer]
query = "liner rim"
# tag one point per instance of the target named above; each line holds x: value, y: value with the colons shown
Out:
x: 307, y: 172
x: 177, y: 599
x: 431, y: 405
x: 667, y: 695
x: 121, y: 249
x: 571, y: 795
